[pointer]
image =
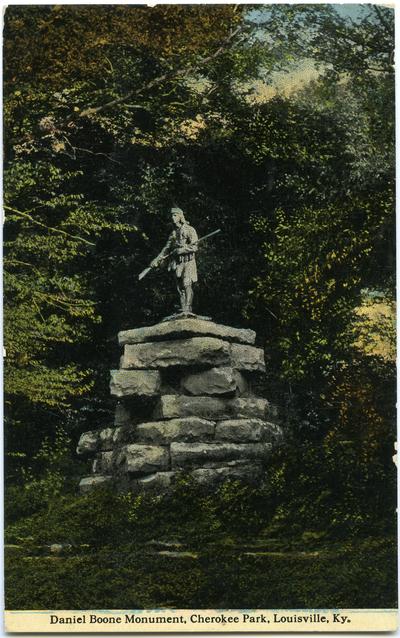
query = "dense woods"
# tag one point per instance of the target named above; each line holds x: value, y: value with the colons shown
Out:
x: 113, y: 114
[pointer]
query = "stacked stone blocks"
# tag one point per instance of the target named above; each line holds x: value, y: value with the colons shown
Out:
x: 185, y: 404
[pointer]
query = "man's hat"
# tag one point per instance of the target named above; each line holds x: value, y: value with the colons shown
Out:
x: 176, y: 210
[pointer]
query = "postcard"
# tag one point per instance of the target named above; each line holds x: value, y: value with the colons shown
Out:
x: 199, y: 275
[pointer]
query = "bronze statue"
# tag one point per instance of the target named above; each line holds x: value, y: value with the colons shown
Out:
x: 182, y: 244
x: 180, y: 251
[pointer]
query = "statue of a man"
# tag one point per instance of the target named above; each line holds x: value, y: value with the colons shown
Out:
x: 182, y: 243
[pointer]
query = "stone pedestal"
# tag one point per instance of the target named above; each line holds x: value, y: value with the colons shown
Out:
x: 184, y: 404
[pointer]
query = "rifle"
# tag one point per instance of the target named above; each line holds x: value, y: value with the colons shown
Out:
x: 147, y: 270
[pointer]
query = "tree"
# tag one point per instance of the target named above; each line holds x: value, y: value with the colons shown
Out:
x: 78, y: 187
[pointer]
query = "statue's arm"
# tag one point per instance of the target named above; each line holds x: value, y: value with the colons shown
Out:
x: 167, y: 249
x: 193, y: 240
x: 191, y: 243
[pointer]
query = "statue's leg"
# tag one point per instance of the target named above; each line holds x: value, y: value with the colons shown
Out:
x: 181, y: 292
x: 189, y: 298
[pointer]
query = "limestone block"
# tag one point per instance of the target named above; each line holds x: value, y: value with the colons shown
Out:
x: 247, y: 358
x: 121, y: 434
x: 214, y: 381
x: 242, y: 430
x: 184, y: 328
x: 88, y: 443
x: 233, y: 463
x: 158, y: 482
x: 171, y: 406
x: 198, y: 351
x: 104, y: 464
x: 106, y: 438
x: 142, y: 459
x: 186, y: 429
x: 91, y: 482
x: 243, y: 387
x: 272, y: 432
x: 124, y: 434
x: 239, y: 430
x: 122, y: 415
x: 249, y: 472
x: 135, y: 383
x: 251, y: 408
x: 191, y: 454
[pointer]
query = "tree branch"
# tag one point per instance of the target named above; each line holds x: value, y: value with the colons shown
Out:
x: 21, y: 263
x: 86, y: 150
x: 166, y: 76
x: 382, y: 19
x: 54, y: 230
x: 377, y: 69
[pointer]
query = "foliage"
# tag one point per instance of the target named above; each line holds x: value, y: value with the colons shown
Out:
x: 76, y: 188
x: 43, y: 481
x: 113, y: 557
x: 189, y: 511
x: 360, y: 45
x: 361, y: 576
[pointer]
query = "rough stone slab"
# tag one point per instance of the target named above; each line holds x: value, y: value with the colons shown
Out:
x: 239, y: 430
x: 129, y: 434
x: 171, y: 406
x: 135, y: 383
x: 142, y: 459
x: 122, y: 415
x: 88, y: 442
x: 158, y: 482
x: 121, y: 434
x: 104, y: 464
x: 101, y: 440
x: 197, y: 351
x: 184, y: 328
x: 246, y: 472
x: 247, y: 430
x: 272, y: 432
x: 234, y: 463
x: 190, y: 454
x: 247, y: 358
x: 106, y: 438
x: 124, y: 434
x: 243, y: 387
x: 91, y: 482
x: 187, y: 429
x: 214, y: 382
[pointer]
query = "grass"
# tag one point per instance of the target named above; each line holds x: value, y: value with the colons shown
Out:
x: 346, y: 574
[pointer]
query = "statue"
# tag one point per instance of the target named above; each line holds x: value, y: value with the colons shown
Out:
x: 181, y: 248
x: 180, y: 251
